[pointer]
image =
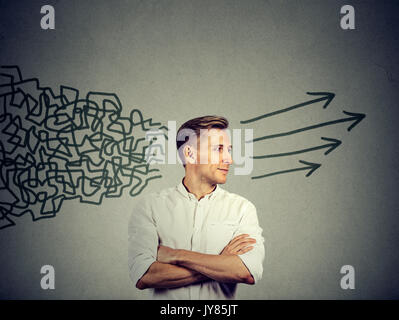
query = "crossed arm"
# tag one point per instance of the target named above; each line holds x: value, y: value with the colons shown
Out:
x: 176, y: 268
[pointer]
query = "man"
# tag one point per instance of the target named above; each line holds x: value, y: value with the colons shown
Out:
x: 196, y: 240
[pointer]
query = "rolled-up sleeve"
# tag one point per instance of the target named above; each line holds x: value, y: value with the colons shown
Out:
x: 254, y: 258
x: 143, y: 240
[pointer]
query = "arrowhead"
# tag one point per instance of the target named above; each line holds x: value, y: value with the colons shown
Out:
x: 335, y: 143
x: 312, y: 166
x: 357, y: 117
x: 329, y: 96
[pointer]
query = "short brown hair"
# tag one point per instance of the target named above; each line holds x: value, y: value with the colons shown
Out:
x: 196, y: 124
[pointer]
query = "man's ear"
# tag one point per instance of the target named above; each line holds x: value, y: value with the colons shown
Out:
x: 189, y: 154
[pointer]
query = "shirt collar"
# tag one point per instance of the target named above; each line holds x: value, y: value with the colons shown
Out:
x: 182, y: 189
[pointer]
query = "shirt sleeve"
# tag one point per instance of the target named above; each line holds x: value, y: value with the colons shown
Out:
x: 143, y: 240
x: 254, y: 258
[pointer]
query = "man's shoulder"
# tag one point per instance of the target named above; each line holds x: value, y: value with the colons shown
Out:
x: 160, y: 194
x: 154, y: 199
x: 237, y: 198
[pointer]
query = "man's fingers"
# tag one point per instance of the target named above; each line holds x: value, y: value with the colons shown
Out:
x: 241, y: 243
x: 245, y: 250
x: 238, y: 238
x: 243, y: 246
x: 238, y: 243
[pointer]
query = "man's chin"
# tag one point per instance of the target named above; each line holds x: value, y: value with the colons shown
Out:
x: 218, y: 178
x: 221, y: 180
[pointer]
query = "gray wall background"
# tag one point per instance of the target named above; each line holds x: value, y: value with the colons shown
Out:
x: 176, y: 60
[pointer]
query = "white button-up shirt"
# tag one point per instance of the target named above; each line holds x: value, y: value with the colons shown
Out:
x: 175, y: 218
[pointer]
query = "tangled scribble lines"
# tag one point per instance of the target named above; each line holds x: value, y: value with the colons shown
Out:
x: 61, y: 147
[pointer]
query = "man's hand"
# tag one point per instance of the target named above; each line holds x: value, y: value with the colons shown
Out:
x: 238, y: 245
x: 166, y: 254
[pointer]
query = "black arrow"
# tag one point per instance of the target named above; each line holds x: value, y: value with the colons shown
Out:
x: 335, y: 143
x: 328, y: 96
x: 310, y: 165
x: 355, y: 117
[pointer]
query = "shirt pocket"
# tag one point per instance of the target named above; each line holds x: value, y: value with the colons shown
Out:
x: 218, y: 235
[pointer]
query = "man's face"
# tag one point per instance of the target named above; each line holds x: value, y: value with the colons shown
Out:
x: 214, y: 156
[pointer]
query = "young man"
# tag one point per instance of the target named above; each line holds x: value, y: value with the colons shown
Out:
x: 196, y: 240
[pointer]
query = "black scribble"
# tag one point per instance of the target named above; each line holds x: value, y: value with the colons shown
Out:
x: 61, y: 147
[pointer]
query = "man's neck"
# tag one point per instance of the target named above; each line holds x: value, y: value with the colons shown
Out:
x: 197, y: 187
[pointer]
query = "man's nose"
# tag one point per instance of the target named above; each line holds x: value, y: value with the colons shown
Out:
x: 227, y: 157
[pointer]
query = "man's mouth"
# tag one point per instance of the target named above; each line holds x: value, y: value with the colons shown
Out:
x: 225, y: 170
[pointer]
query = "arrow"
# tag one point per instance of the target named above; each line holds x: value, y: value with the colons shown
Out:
x: 355, y: 117
x: 310, y: 165
x: 328, y: 96
x: 335, y: 143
